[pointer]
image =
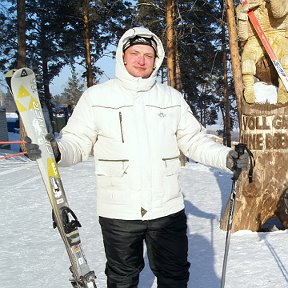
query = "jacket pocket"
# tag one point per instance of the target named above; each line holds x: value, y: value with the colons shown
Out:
x: 112, y: 168
x: 112, y: 181
x: 172, y: 165
x: 170, y: 179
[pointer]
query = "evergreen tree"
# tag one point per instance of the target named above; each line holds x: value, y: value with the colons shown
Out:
x: 8, y: 36
x: 55, y: 36
x: 72, y: 92
x: 197, y: 33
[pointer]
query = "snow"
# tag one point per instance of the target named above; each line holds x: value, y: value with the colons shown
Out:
x: 11, y: 115
x: 32, y: 254
x: 265, y: 93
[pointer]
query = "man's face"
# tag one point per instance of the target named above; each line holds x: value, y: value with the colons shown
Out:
x: 139, y: 60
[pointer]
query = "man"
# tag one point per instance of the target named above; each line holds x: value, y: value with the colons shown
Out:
x: 135, y: 129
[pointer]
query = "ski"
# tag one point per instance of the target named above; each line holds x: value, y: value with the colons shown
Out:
x: 25, y: 94
x: 260, y: 32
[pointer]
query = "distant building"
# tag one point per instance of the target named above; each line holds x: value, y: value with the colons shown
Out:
x: 3, y: 128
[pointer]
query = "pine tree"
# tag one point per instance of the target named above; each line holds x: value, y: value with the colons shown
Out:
x: 198, y: 52
x: 72, y: 92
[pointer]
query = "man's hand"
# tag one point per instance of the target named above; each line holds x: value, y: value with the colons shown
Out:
x: 34, y: 151
x: 252, y: 4
x: 235, y: 161
x: 242, y: 11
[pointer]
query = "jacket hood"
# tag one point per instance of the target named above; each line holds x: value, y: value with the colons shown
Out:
x: 128, y: 81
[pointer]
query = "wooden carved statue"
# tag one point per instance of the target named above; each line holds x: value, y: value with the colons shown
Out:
x: 273, y: 17
x: 264, y: 125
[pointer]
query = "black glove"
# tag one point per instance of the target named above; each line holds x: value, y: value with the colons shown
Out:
x: 34, y: 151
x: 233, y: 162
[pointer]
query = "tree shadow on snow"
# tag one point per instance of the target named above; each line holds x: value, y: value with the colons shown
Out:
x: 147, y: 277
x: 201, y: 253
x: 224, y: 181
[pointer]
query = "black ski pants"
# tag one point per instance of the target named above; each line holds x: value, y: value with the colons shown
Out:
x: 167, y: 250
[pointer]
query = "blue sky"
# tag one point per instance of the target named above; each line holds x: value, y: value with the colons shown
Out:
x: 107, y: 64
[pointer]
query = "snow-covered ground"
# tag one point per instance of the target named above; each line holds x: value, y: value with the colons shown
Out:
x: 32, y: 254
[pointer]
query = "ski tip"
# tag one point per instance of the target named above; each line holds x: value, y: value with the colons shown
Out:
x: 10, y: 73
x: 22, y: 72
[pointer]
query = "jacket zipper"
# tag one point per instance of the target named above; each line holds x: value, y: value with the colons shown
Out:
x: 121, y: 128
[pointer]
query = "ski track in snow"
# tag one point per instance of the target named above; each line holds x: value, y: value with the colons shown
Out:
x: 12, y: 170
x: 32, y: 254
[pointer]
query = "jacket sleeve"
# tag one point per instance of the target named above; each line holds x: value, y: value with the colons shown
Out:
x: 194, y: 142
x: 79, y: 135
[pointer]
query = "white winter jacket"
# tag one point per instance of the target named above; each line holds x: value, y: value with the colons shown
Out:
x: 135, y: 128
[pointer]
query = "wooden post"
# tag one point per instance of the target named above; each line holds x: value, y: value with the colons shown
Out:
x: 264, y: 129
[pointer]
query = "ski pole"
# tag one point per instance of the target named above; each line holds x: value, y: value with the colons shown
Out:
x: 267, y: 46
x: 240, y: 149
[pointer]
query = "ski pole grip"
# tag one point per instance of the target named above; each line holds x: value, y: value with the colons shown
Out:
x: 240, y: 149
